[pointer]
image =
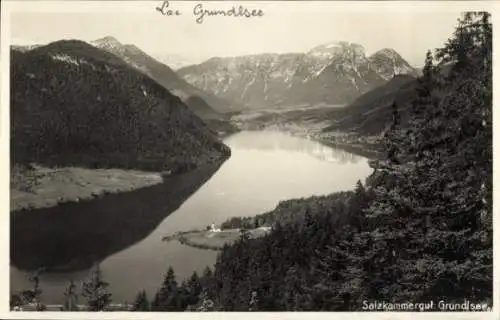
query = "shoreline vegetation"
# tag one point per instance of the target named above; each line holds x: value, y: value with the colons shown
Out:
x: 287, y: 212
x: 35, y: 186
x: 369, y: 147
x: 309, y: 123
x: 214, y: 240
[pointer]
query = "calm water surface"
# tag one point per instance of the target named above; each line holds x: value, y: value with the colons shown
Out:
x: 264, y: 168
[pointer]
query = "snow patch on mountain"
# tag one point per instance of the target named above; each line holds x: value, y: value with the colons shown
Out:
x: 246, y: 87
x: 65, y: 58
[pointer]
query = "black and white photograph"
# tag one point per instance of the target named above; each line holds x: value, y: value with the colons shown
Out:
x: 248, y: 156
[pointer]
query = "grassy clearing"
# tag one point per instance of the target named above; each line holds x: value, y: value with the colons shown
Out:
x: 212, y: 240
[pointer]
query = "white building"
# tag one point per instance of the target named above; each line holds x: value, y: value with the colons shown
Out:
x: 214, y: 229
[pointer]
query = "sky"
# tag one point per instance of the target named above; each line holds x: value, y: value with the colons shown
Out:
x: 409, y: 28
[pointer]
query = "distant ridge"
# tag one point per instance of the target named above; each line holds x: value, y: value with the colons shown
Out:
x: 332, y: 73
x: 165, y: 76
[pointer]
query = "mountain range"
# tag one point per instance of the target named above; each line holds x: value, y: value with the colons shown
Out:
x: 25, y: 48
x: 334, y: 73
x: 75, y: 104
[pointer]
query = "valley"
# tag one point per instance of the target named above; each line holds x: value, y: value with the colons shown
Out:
x: 155, y: 155
x: 313, y: 121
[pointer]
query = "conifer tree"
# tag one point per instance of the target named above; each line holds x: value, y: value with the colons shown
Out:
x: 166, y: 299
x: 433, y: 197
x: 141, y: 302
x: 194, y: 288
x: 244, y: 235
x: 37, y: 292
x: 293, y: 290
x: 393, y: 141
x: 34, y: 295
x: 95, y: 290
x: 71, y: 298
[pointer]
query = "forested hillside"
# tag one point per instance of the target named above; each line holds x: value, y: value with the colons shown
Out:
x: 371, y: 113
x: 168, y: 78
x: 74, y: 104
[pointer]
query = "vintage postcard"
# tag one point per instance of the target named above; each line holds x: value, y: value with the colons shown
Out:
x: 250, y: 156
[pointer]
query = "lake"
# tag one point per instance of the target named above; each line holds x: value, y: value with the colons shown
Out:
x: 124, y: 231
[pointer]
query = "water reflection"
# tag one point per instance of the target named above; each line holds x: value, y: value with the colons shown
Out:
x: 124, y: 232
x: 73, y: 236
x: 269, y: 140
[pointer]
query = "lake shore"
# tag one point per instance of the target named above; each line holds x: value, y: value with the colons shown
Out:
x: 368, y: 147
x: 213, y: 240
x: 37, y: 186
x: 365, y: 146
x: 310, y: 123
x: 131, y: 225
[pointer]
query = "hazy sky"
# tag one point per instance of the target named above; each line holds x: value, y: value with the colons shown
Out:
x: 409, y: 28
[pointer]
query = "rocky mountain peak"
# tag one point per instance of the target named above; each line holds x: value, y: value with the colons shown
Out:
x: 108, y: 41
x: 389, y: 63
x: 387, y: 52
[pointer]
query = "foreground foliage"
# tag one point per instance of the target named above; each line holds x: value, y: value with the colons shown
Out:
x: 420, y: 230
